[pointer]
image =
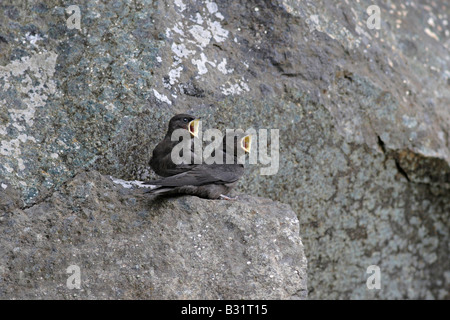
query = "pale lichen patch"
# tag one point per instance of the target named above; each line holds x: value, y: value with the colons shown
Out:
x: 192, y: 37
x: 35, y: 94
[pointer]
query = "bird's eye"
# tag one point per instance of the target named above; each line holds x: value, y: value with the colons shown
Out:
x: 185, y: 120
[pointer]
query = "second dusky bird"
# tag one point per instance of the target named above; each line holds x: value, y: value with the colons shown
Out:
x: 211, y: 181
x: 161, y: 161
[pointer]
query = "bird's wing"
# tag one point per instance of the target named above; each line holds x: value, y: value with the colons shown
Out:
x: 162, y: 163
x: 203, y: 174
x: 178, y: 169
x: 166, y: 166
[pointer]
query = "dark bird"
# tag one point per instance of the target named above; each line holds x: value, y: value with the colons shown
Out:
x: 211, y: 181
x: 161, y: 161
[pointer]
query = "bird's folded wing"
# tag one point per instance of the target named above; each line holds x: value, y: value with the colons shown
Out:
x: 202, y: 174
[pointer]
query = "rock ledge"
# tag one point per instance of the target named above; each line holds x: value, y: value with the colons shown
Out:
x: 131, y: 246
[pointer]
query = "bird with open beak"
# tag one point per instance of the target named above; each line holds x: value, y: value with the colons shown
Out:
x: 161, y: 161
x: 210, y: 181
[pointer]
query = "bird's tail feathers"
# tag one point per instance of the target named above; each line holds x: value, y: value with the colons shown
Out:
x: 159, y: 190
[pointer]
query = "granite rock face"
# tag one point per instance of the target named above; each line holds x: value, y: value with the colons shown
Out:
x: 363, y: 116
x: 128, y: 245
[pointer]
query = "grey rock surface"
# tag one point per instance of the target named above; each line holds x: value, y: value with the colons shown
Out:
x: 363, y: 116
x: 129, y: 245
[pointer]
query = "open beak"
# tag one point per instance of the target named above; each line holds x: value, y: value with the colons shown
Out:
x: 246, y: 143
x: 193, y: 127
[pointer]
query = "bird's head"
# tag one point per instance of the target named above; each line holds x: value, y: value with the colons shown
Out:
x: 240, y: 141
x: 184, y: 121
x: 246, y: 143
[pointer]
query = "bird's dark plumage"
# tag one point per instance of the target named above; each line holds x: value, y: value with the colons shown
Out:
x: 204, y: 180
x: 161, y: 161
